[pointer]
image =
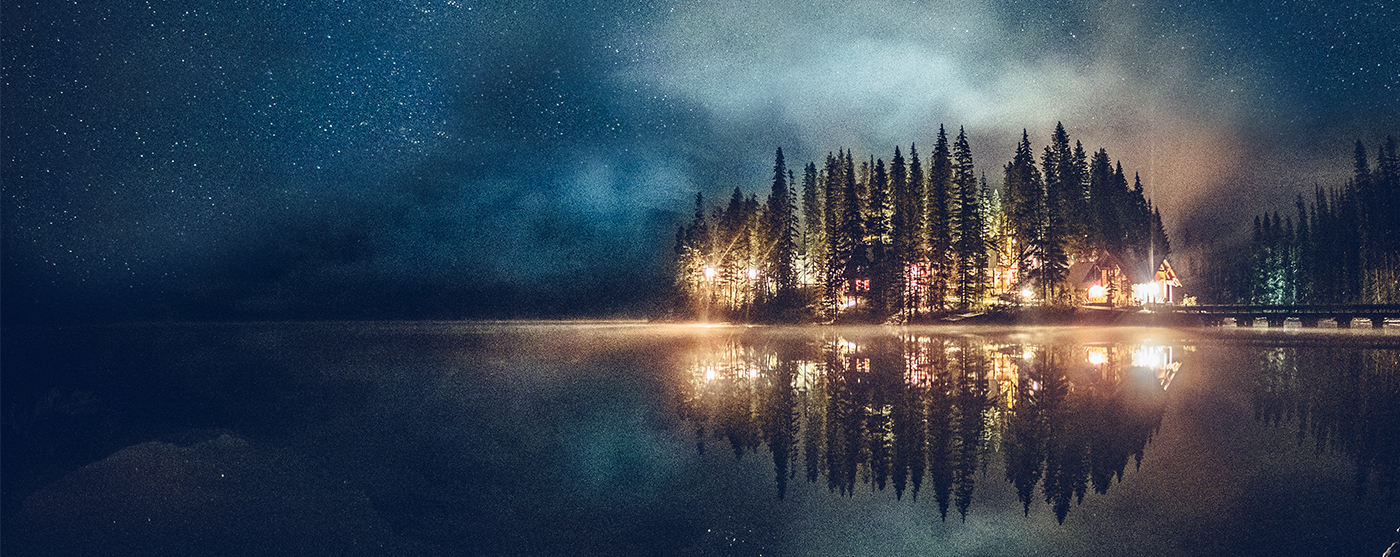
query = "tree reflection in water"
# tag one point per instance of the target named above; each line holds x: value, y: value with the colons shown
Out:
x: 901, y: 410
x: 1347, y: 400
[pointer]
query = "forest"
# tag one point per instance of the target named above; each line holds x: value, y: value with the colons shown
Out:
x: 866, y: 240
x: 1342, y: 248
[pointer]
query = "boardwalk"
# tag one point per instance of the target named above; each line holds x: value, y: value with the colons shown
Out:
x: 1307, y: 315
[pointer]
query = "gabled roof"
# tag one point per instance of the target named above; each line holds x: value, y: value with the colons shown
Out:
x: 1165, y: 273
x: 1086, y: 272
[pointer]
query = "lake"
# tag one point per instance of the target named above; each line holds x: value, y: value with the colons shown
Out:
x: 626, y: 438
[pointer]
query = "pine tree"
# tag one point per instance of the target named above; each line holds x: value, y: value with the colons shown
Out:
x: 939, y: 207
x: 814, y: 247
x: 1304, y: 254
x: 849, y: 260
x: 1383, y: 277
x: 691, y: 258
x: 918, y: 256
x: 903, y: 230
x: 1107, y: 233
x: 1136, y: 217
x: 1074, y: 175
x: 1051, y: 247
x: 780, y: 248
x: 883, y: 267
x: 838, y: 248
x: 971, y: 249
x: 1023, y: 205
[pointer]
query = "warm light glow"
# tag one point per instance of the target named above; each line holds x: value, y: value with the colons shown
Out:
x: 1148, y: 356
x: 752, y: 273
x: 1097, y: 291
x: 709, y: 272
x: 1160, y: 360
x: 1149, y: 292
x: 1027, y: 355
x: 709, y: 374
x: 1026, y: 293
x: 1098, y: 355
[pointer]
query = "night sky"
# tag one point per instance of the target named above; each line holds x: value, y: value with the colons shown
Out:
x: 459, y: 158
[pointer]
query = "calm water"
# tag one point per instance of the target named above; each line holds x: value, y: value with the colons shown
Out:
x: 638, y: 439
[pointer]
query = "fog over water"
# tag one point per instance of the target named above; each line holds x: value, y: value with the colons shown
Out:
x: 608, y: 438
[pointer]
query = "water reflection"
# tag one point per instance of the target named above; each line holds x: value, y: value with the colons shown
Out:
x: 902, y: 411
x: 1341, y: 400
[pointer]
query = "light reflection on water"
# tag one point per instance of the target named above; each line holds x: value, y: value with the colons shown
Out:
x: 612, y: 438
x: 896, y: 410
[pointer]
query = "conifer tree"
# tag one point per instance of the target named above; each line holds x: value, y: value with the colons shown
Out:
x: 939, y: 207
x: 1023, y: 204
x: 1055, y: 226
x: 903, y: 230
x: 848, y: 242
x: 883, y: 267
x: 814, y: 247
x: 918, y: 255
x: 781, y: 229
x: 1107, y: 232
x: 1074, y: 173
x: 1383, y: 277
x: 838, y: 249
x: 971, y: 251
x: 1303, y: 249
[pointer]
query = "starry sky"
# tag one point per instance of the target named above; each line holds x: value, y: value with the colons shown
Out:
x: 257, y: 159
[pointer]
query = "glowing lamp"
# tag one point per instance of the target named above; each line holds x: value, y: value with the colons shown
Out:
x: 1026, y: 293
x: 752, y: 273
x: 709, y: 272
x: 1097, y: 291
x: 1098, y: 356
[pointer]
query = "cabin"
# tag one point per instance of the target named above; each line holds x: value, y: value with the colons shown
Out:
x: 1105, y: 281
x: 1159, y: 291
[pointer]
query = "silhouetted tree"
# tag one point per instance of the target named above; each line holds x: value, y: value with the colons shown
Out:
x: 940, y: 206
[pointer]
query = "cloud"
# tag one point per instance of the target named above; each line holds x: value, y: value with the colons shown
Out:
x: 870, y: 76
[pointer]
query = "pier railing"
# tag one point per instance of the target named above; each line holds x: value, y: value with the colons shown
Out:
x: 1308, y: 315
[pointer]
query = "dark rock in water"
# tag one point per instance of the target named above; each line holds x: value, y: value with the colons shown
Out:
x: 218, y: 497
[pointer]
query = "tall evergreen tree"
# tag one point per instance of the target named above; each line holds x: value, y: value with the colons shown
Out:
x: 904, y: 228
x: 1074, y: 175
x: 1107, y: 232
x: 919, y: 248
x: 838, y: 246
x: 814, y: 247
x: 1023, y: 204
x: 850, y: 257
x: 971, y: 249
x: 1136, y: 217
x: 1383, y: 276
x: 939, y: 207
x: 884, y: 269
x: 1303, y: 245
x: 782, y: 228
x: 1326, y: 261
x: 1055, y: 219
